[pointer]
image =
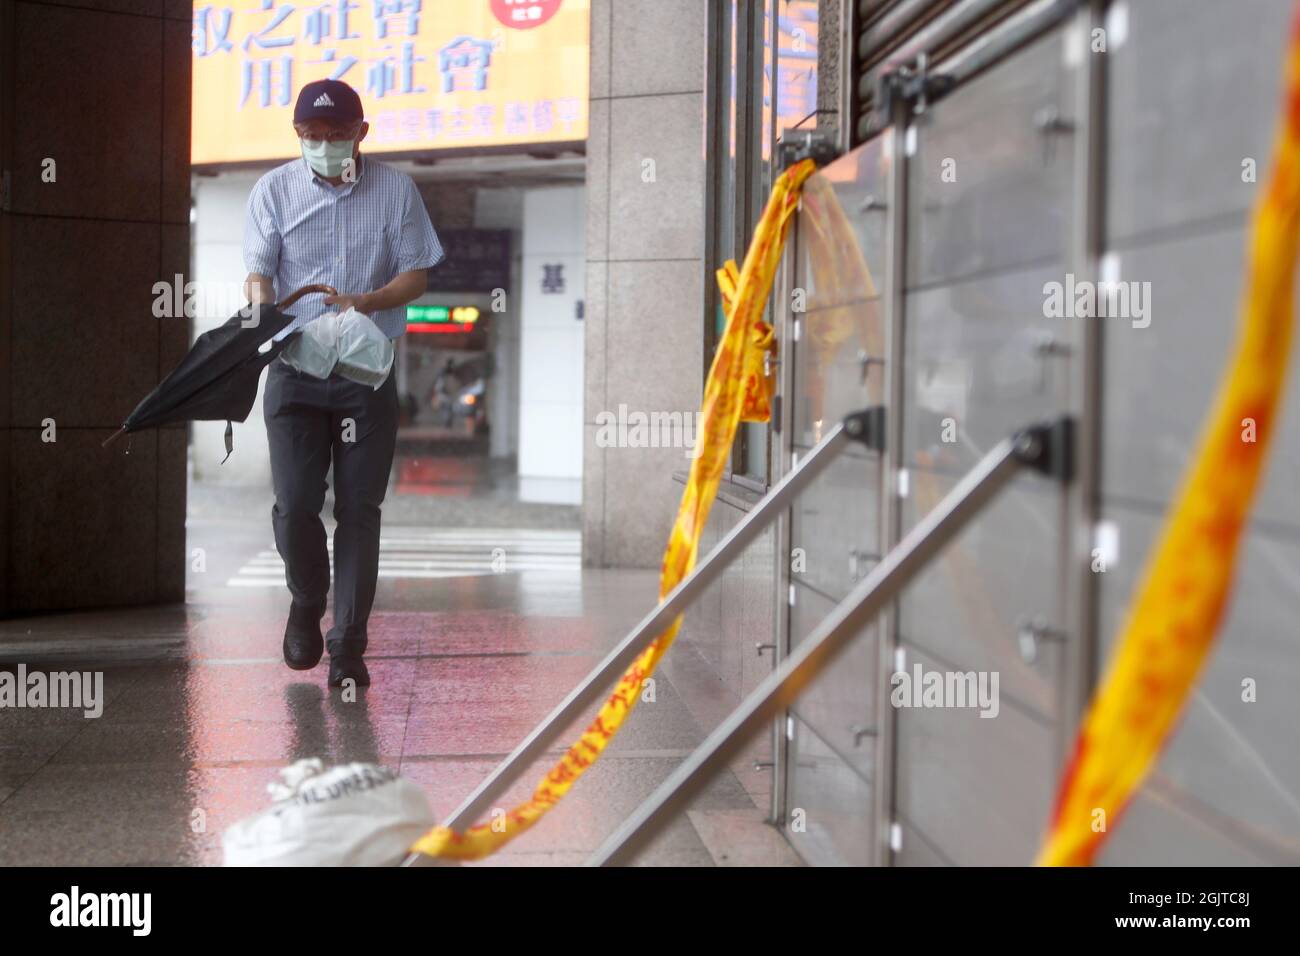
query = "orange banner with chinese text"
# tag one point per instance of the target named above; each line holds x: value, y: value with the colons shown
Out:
x: 456, y: 74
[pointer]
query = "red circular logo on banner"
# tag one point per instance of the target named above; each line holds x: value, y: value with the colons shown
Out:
x: 524, y: 14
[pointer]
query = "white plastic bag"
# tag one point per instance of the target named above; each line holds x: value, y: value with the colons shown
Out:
x: 315, y: 349
x: 348, y: 344
x: 365, y: 353
x: 355, y: 814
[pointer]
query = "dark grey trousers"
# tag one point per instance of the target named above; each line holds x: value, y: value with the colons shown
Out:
x: 309, y: 423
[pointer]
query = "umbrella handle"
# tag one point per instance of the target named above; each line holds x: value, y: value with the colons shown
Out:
x: 306, y: 290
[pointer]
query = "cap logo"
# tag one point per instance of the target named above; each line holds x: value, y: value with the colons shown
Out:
x: 323, y: 100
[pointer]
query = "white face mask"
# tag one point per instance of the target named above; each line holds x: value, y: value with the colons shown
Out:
x: 326, y: 158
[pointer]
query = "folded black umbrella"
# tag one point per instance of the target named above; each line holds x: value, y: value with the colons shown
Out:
x: 217, y: 379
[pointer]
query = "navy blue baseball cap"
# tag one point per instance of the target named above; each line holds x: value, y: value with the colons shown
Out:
x: 327, y: 99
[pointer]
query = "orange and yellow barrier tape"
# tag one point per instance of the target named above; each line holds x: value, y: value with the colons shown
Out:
x: 737, y: 389
x: 1172, y: 623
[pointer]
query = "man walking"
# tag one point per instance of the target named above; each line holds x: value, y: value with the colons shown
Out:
x: 340, y: 219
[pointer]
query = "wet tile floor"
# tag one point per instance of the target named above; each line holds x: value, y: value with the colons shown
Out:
x: 200, y: 714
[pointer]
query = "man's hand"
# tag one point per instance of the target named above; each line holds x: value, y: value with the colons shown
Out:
x: 405, y: 287
x: 258, y: 288
x: 360, y: 301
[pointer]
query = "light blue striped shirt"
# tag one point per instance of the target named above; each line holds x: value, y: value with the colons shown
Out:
x: 356, y: 237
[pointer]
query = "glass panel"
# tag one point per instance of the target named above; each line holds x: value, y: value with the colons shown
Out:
x: 836, y: 800
x: 840, y: 702
x: 840, y: 274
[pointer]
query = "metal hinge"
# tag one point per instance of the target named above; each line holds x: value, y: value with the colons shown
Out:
x: 865, y: 361
x: 868, y: 427
x: 799, y: 144
x: 861, y: 732
x: 1048, y: 448
x: 1030, y: 633
x: 858, y: 558
x: 913, y: 84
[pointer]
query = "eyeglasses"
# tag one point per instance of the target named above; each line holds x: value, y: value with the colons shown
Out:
x: 329, y: 136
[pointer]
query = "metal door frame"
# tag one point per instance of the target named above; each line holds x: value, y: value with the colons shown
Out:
x: 1079, y: 667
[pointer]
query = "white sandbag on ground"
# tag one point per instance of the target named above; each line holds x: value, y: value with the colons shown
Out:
x: 355, y: 814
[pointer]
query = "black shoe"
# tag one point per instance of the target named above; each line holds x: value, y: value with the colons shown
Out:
x: 348, y: 667
x: 303, y: 643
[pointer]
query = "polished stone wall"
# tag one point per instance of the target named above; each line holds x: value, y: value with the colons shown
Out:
x: 644, y: 346
x: 103, y: 90
x: 645, y: 267
x: 830, y: 78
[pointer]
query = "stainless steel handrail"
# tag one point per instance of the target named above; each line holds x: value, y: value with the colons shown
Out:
x: 865, y: 427
x: 1043, y: 447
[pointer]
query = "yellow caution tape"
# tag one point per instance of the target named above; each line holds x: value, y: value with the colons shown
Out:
x: 737, y: 389
x: 1172, y: 623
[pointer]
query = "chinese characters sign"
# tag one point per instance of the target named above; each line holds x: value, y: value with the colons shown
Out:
x: 432, y: 74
